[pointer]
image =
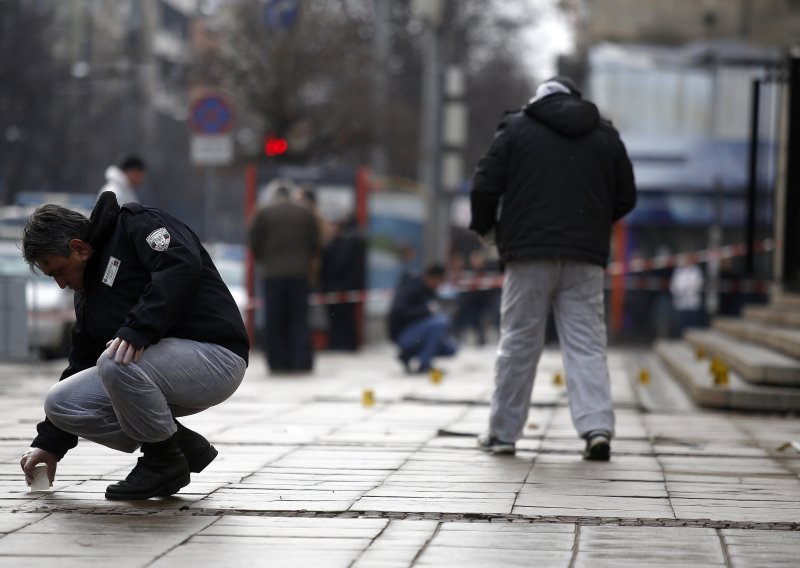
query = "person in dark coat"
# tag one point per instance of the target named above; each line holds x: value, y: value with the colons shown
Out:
x: 285, y: 239
x: 344, y: 261
x: 553, y: 181
x: 416, y: 323
x: 158, y: 336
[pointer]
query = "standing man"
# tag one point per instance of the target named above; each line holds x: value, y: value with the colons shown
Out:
x: 416, y: 324
x: 157, y: 336
x: 553, y: 181
x: 124, y: 179
x: 344, y: 268
x: 285, y: 239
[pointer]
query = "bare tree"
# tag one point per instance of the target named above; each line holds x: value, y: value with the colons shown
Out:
x: 311, y: 82
x: 29, y: 79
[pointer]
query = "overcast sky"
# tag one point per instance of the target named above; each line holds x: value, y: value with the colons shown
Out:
x: 548, y: 37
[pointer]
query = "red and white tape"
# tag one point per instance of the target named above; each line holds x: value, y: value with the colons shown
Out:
x: 471, y: 281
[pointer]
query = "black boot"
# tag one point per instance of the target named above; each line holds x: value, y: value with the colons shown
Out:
x: 160, y: 472
x: 198, y: 451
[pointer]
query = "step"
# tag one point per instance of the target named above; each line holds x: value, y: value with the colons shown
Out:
x: 785, y: 299
x: 659, y: 392
x: 785, y: 340
x: 679, y: 357
x: 772, y: 314
x: 753, y: 363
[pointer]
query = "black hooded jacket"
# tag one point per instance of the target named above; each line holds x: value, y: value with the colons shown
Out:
x: 148, y: 278
x: 552, y: 183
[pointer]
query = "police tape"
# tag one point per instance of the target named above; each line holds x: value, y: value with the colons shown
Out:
x: 687, y: 258
x: 632, y: 283
x: 473, y: 282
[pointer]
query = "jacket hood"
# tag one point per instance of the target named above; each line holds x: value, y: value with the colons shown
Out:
x: 567, y: 114
x: 116, y: 175
x: 103, y: 218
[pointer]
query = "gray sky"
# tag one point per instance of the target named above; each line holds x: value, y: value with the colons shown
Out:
x: 550, y: 36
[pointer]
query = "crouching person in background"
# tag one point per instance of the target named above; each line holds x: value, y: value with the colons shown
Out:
x: 417, y: 325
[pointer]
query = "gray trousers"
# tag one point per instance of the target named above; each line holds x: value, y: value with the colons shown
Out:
x: 574, y: 290
x: 121, y: 406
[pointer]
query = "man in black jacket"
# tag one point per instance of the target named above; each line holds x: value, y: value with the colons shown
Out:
x: 416, y: 324
x: 552, y: 183
x: 158, y: 336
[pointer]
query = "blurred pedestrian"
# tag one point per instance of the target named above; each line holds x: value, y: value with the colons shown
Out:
x: 474, y: 305
x: 417, y: 324
x: 124, y: 180
x: 554, y: 179
x: 308, y: 198
x: 344, y: 261
x: 158, y: 336
x: 284, y: 237
x: 686, y: 287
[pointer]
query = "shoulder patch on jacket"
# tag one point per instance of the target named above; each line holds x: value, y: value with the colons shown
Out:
x: 159, y: 239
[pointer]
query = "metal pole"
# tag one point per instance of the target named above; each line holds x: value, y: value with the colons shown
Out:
x: 430, y: 145
x: 752, y: 185
x: 791, y: 235
x: 380, y: 96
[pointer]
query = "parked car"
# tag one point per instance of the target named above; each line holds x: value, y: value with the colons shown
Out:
x: 230, y: 262
x: 51, y: 312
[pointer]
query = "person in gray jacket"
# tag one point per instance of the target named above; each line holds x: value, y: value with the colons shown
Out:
x: 285, y: 239
x: 554, y: 180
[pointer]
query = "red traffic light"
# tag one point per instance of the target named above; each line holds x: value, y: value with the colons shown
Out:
x: 275, y: 146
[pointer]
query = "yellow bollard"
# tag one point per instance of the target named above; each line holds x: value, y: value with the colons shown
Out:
x: 644, y: 377
x: 436, y: 375
x: 367, y: 398
x: 558, y: 380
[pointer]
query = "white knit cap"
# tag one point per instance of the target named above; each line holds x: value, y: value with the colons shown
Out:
x: 548, y: 88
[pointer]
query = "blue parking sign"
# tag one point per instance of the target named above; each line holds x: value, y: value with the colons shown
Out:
x: 280, y: 14
x: 211, y: 114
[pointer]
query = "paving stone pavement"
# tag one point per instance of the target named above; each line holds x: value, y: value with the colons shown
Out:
x: 308, y: 476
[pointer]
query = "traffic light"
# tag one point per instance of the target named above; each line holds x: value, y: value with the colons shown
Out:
x: 274, y: 146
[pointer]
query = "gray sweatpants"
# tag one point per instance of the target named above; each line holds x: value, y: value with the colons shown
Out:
x: 574, y: 290
x: 121, y: 406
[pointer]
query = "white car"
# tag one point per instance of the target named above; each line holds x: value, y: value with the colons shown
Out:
x: 233, y: 274
x: 51, y: 312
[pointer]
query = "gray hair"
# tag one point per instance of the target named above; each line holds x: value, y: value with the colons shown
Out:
x: 49, y: 230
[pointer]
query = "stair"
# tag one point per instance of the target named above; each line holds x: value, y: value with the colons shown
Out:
x: 695, y: 377
x: 773, y: 315
x: 753, y: 363
x: 783, y: 339
x: 759, y: 352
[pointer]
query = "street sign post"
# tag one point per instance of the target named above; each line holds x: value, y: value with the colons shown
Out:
x: 211, y: 122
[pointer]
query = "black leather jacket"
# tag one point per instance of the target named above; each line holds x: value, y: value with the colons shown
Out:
x: 148, y: 278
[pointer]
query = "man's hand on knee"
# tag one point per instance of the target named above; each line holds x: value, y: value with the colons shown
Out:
x: 122, y: 351
x: 35, y: 456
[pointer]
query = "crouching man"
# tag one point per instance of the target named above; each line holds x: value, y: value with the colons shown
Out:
x: 157, y: 336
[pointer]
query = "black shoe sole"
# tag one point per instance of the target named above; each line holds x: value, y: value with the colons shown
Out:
x: 199, y: 462
x: 600, y: 452
x: 166, y: 490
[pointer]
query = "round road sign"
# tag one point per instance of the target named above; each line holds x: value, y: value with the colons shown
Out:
x: 211, y: 114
